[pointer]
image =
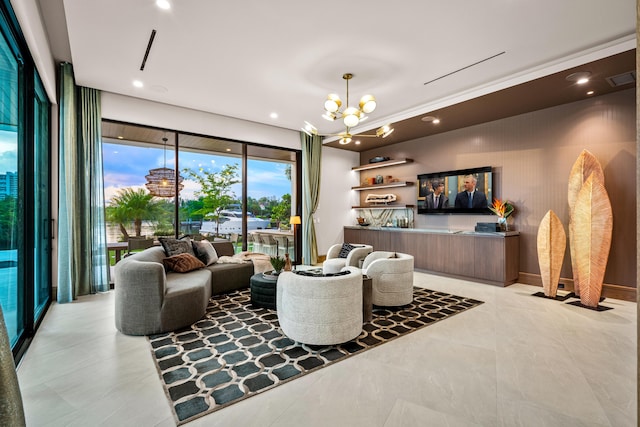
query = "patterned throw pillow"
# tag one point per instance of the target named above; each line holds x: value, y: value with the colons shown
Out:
x: 176, y: 246
x: 182, y: 263
x: 205, y: 252
x: 344, y: 251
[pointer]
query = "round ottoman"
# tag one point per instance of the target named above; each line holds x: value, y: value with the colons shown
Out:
x: 263, y: 291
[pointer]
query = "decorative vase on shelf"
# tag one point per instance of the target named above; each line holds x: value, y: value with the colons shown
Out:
x: 504, y: 225
x: 287, y: 262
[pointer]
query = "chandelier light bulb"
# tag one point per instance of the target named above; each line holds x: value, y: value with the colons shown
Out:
x: 367, y: 104
x: 309, y: 129
x: 384, y: 131
x: 333, y: 103
x: 351, y: 117
x: 345, y: 140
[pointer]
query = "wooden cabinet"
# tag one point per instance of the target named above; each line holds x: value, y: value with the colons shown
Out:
x: 491, y: 258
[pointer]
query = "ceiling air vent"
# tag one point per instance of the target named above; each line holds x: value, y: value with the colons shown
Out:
x: 622, y: 79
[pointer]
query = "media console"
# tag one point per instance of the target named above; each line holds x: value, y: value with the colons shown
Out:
x: 492, y: 258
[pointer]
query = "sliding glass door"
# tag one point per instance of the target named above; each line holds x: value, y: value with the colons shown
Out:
x: 42, y: 222
x: 25, y: 179
x: 11, y: 179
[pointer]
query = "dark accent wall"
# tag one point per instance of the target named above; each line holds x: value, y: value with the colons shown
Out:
x: 532, y: 155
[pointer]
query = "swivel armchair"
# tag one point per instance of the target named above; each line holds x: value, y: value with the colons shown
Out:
x: 320, y: 310
x: 337, y: 258
x: 392, y: 277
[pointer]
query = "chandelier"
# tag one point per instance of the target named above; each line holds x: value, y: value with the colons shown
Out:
x: 161, y: 182
x: 351, y: 116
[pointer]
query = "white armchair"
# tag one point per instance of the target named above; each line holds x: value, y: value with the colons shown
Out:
x: 320, y: 310
x: 334, y: 263
x: 392, y: 277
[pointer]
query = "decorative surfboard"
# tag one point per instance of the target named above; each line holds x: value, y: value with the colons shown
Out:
x: 585, y: 165
x: 552, y: 242
x: 591, y: 226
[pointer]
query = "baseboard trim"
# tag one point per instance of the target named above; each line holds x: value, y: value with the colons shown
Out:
x: 624, y: 293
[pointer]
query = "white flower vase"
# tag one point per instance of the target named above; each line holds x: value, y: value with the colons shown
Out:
x: 504, y: 225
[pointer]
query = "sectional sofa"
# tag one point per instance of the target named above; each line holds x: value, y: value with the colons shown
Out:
x: 150, y: 300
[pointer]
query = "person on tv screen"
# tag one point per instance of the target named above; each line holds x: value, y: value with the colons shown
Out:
x: 470, y: 198
x: 437, y: 199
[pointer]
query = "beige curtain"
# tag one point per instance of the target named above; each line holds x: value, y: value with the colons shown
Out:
x: 311, y: 157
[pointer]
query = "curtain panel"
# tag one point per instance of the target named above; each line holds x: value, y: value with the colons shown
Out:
x: 82, y: 257
x: 311, y: 162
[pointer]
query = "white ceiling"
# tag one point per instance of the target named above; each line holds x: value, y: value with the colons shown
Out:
x: 247, y: 59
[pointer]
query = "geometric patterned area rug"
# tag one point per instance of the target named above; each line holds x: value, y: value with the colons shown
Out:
x: 238, y: 351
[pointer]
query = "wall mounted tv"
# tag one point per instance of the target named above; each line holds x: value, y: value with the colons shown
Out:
x: 448, y: 192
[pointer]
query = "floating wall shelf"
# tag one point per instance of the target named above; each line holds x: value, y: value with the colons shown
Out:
x: 389, y: 185
x: 381, y: 164
x: 384, y: 207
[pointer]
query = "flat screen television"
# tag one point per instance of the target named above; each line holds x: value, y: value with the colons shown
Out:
x: 448, y: 192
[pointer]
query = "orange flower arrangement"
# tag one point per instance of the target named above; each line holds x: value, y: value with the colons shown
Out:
x: 501, y: 209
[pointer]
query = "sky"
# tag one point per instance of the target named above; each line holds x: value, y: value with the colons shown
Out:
x: 8, y: 151
x: 126, y: 166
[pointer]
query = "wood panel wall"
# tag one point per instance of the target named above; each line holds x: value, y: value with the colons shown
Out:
x: 531, y: 155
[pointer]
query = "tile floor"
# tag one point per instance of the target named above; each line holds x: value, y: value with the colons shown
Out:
x: 516, y: 360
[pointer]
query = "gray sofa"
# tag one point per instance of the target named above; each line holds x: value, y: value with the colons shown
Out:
x: 149, y: 300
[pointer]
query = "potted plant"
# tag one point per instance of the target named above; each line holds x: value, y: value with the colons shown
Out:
x: 503, y: 210
x: 277, y: 263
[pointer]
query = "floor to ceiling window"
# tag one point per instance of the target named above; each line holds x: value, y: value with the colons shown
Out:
x: 11, y: 240
x: 130, y: 154
x: 216, y: 178
x: 25, y: 165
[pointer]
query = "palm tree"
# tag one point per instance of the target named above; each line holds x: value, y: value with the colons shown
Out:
x: 132, y: 205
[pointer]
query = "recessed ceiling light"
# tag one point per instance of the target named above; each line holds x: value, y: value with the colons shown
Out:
x: 163, y: 4
x: 228, y: 149
x: 120, y: 137
x: 274, y: 115
x: 138, y: 83
x: 590, y: 92
x: 430, y: 119
x: 580, y: 77
x: 357, y: 142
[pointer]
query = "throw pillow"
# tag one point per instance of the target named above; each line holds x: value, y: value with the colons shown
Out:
x: 182, y: 263
x: 176, y: 246
x: 205, y: 252
x: 345, y: 249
